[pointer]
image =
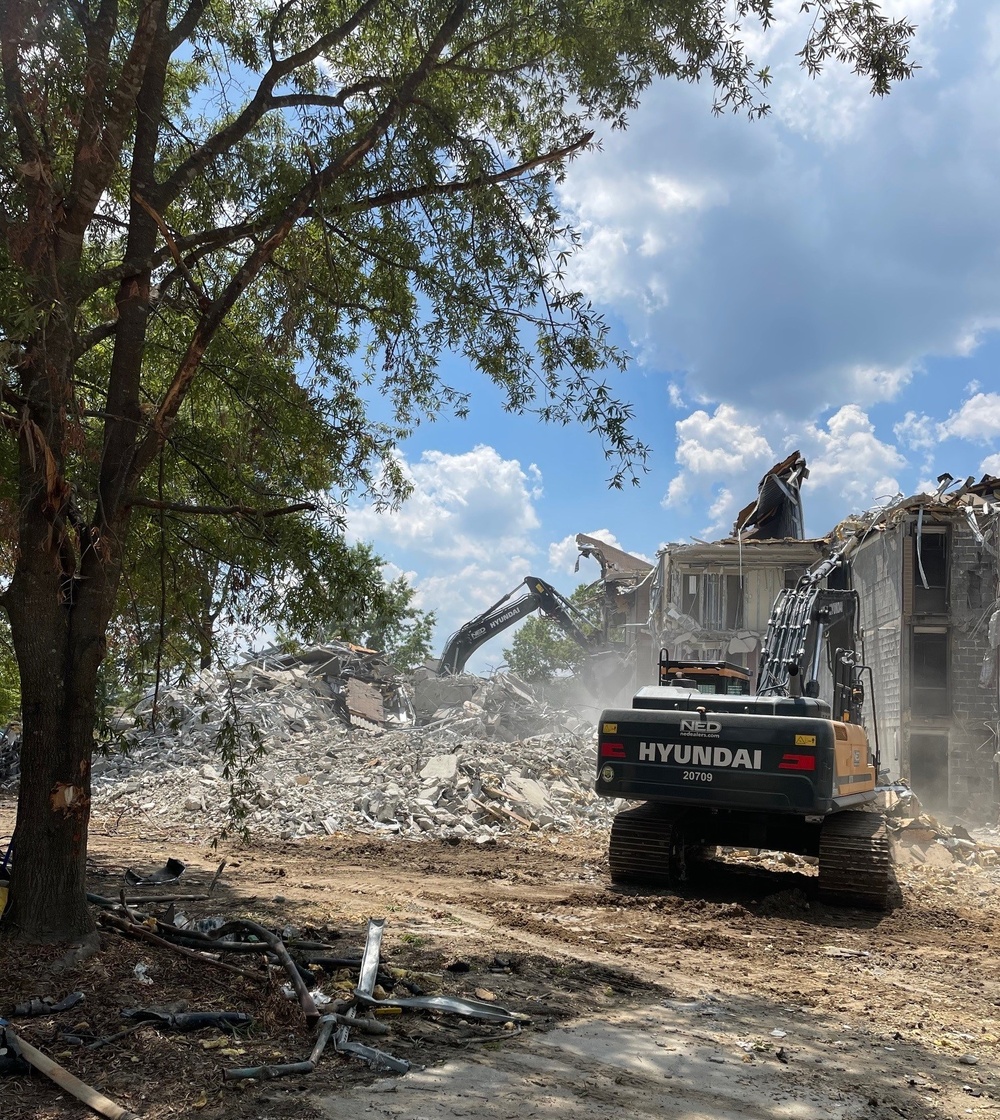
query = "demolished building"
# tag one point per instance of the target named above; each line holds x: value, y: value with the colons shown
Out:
x: 712, y: 600
x: 626, y: 583
x: 926, y: 574
x: 927, y: 577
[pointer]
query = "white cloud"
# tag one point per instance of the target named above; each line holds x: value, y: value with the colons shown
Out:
x: 869, y: 384
x: 722, y: 442
x: 723, y: 447
x: 465, y: 537
x: 978, y: 419
x: 463, y: 507
x: 990, y: 465
x: 850, y: 463
x: 818, y: 257
x: 564, y: 554
x: 721, y: 513
x: 720, y: 455
x: 916, y: 431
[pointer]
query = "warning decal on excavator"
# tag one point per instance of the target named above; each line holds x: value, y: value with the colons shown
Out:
x: 805, y: 740
x: 609, y: 728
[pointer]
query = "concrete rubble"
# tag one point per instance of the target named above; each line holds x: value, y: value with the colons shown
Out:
x: 459, y: 757
x: 920, y: 838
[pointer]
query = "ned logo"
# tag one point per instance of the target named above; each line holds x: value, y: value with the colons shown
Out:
x: 700, y: 727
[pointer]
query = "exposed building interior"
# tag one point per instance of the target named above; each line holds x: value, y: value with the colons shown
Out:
x: 926, y: 574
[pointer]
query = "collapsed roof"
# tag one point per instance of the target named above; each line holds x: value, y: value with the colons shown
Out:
x: 977, y: 502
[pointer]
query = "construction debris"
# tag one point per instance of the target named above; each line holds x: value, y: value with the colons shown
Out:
x: 63, y: 1078
x: 366, y: 986
x: 373, y: 991
x: 920, y: 838
x: 47, y: 1005
x: 170, y: 872
x: 479, y: 758
x: 189, y: 1020
x: 776, y: 512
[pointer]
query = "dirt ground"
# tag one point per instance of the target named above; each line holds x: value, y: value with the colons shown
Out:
x: 741, y: 996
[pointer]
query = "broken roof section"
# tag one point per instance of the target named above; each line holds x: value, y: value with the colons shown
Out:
x: 616, y: 566
x: 977, y: 502
x: 776, y: 514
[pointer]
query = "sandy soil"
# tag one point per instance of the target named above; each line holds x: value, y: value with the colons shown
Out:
x: 741, y: 996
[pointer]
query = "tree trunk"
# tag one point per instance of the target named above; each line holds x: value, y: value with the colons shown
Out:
x: 59, y: 639
x: 67, y: 571
x: 59, y: 602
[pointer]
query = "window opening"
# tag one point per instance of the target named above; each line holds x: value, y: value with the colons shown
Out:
x: 930, y: 553
x: 929, y: 674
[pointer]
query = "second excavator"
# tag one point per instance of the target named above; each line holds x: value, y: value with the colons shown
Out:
x: 606, y: 665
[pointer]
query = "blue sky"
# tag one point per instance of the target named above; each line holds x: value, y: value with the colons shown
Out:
x: 827, y: 279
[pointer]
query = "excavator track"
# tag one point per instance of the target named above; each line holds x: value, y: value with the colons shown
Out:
x: 855, y: 865
x: 646, y: 846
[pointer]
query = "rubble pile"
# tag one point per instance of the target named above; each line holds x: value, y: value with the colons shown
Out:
x: 920, y: 838
x: 444, y: 757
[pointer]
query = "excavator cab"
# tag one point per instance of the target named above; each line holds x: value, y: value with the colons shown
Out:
x: 716, y: 678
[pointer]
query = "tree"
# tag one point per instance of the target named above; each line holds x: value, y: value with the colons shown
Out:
x: 304, y: 584
x: 272, y: 206
x: 405, y: 632
x: 388, y: 621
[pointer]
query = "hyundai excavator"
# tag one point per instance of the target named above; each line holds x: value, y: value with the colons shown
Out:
x: 606, y: 665
x: 788, y: 767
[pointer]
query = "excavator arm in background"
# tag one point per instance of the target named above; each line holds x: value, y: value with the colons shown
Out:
x: 504, y: 613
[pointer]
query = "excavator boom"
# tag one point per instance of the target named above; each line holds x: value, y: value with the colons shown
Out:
x: 504, y: 613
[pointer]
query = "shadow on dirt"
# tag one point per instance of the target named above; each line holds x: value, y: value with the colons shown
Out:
x: 765, y: 891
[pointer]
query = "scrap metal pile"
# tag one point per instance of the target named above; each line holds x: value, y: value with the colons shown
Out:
x: 346, y: 744
x: 341, y: 992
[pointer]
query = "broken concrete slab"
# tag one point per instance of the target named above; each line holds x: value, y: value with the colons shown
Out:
x: 440, y: 768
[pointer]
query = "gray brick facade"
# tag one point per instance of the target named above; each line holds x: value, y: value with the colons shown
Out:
x: 936, y: 710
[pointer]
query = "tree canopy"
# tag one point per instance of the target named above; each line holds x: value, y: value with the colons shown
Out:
x: 225, y: 225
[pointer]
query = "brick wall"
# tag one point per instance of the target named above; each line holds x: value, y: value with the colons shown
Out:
x: 972, y: 591
x: 877, y: 573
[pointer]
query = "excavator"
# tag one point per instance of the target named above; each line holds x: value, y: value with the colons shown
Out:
x: 606, y: 664
x: 788, y: 767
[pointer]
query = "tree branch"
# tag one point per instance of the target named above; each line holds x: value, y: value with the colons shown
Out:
x: 456, y: 186
x: 97, y: 157
x: 260, y: 104
x: 13, y: 32
x: 97, y: 35
x: 203, y: 301
x: 186, y: 24
x: 92, y: 338
x: 210, y: 322
x: 222, y: 511
x: 202, y: 242
x: 327, y: 101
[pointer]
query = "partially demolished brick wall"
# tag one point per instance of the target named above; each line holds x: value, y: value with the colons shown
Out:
x: 948, y: 745
x: 971, y: 745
